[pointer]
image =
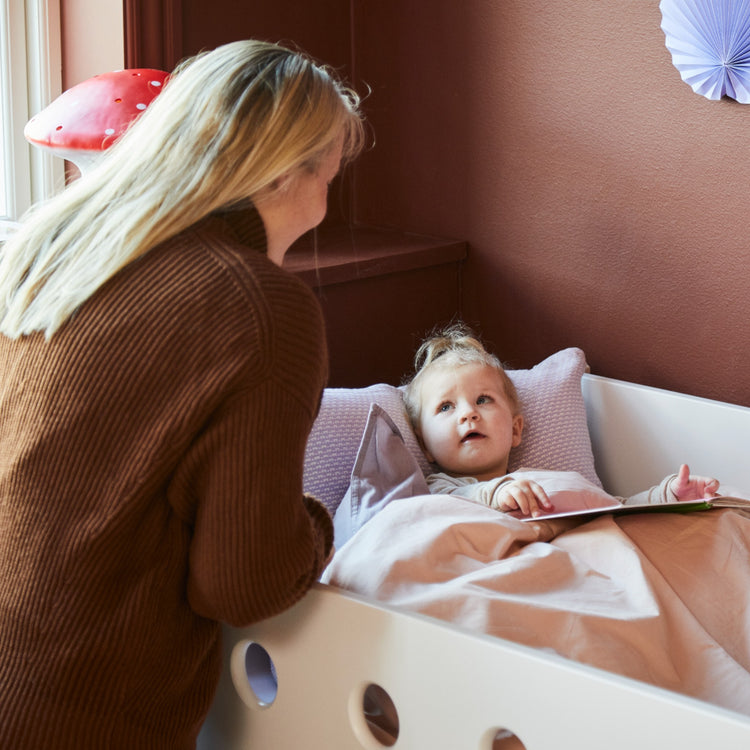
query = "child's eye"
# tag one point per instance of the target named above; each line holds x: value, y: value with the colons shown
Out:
x: 444, y: 407
x: 484, y: 399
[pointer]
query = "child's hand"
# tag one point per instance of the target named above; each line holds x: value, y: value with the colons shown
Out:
x: 688, y: 487
x: 524, y: 495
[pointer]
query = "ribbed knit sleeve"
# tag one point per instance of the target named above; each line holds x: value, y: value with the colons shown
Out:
x: 256, y: 546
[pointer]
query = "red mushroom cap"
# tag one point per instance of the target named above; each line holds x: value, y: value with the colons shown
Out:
x: 89, y: 117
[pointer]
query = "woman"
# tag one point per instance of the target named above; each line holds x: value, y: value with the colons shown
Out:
x: 159, y: 375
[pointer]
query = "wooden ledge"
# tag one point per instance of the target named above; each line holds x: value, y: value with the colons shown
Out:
x: 347, y: 253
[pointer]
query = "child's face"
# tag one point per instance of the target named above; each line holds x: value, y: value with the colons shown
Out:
x: 467, y: 425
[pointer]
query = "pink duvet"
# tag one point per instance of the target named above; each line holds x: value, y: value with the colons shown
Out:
x: 662, y: 598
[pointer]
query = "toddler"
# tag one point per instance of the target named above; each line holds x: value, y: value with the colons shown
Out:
x: 466, y: 414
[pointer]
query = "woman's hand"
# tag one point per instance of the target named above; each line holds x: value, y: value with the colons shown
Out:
x: 523, y: 495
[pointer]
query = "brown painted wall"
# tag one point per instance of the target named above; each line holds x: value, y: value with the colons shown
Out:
x: 322, y: 29
x: 604, y: 202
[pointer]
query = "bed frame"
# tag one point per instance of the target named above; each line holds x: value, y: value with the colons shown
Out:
x: 302, y: 679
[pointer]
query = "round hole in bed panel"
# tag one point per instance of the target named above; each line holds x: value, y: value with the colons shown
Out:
x: 503, y: 739
x: 374, y: 717
x: 254, y: 674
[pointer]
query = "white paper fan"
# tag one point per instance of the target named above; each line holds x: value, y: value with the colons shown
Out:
x: 710, y: 45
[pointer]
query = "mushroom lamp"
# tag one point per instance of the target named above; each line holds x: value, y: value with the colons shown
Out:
x: 88, y: 118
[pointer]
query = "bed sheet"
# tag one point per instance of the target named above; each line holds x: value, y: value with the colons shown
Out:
x: 661, y: 598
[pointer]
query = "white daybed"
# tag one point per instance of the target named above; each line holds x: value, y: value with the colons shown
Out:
x: 314, y: 677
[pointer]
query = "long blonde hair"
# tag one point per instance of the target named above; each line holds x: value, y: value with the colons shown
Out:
x: 227, y: 127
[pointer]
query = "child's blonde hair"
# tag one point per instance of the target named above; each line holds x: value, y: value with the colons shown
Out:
x: 452, y: 346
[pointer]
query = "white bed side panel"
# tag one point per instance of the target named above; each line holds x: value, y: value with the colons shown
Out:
x: 452, y: 690
x: 641, y: 434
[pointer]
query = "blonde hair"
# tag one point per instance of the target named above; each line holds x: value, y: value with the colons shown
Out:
x: 452, y: 346
x: 228, y: 126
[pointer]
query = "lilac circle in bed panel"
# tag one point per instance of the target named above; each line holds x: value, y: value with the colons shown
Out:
x: 260, y: 673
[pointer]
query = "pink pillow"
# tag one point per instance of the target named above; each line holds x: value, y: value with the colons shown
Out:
x: 556, y: 435
x: 336, y: 435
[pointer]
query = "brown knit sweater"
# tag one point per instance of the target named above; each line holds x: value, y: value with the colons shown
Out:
x: 151, y: 460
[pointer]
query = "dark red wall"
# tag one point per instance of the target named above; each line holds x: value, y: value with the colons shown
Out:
x: 169, y: 30
x: 603, y: 201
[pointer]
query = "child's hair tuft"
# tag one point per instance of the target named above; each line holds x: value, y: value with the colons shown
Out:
x: 452, y: 346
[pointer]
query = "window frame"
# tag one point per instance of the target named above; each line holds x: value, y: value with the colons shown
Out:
x: 30, y: 78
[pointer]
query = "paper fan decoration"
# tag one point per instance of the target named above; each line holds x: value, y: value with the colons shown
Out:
x: 710, y: 45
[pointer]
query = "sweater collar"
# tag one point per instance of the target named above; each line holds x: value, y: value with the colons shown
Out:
x: 245, y: 224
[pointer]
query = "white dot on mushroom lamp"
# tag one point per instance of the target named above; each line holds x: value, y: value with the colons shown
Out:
x: 89, y: 117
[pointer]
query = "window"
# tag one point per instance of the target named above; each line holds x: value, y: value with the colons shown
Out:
x: 30, y: 78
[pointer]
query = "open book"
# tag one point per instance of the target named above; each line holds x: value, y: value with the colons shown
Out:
x: 616, y: 508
